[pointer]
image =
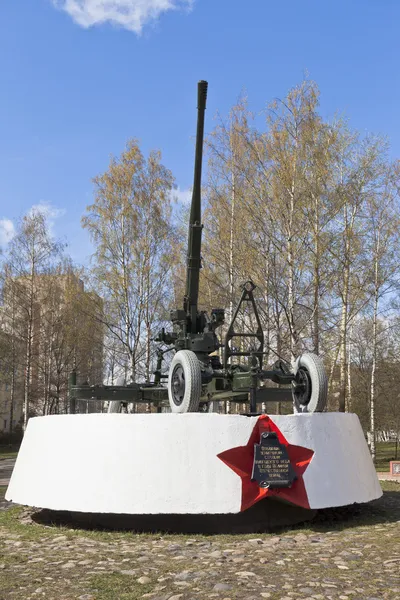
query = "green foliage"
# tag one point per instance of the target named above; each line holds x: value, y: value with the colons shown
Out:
x: 11, y: 441
x: 9, y: 451
x: 385, y: 452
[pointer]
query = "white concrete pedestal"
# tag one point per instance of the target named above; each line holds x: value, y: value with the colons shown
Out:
x: 168, y: 463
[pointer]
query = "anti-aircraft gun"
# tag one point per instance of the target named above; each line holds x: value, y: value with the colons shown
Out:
x: 196, y: 375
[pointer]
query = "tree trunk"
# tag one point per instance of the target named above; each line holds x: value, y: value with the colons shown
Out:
x: 374, y: 347
x: 317, y: 281
x: 278, y: 349
x: 148, y: 357
x: 349, y: 386
x: 294, y: 339
x: 231, y: 244
x: 343, y: 361
x: 12, y: 397
x: 333, y: 365
x: 148, y: 353
x: 344, y: 315
x: 28, y: 357
x: 267, y: 311
x: 13, y: 359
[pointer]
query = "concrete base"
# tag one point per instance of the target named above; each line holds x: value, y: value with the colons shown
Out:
x: 162, y: 464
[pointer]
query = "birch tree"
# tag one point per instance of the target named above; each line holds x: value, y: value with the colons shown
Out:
x: 129, y: 223
x: 12, y: 355
x: 383, y: 226
x: 358, y: 169
x: 227, y: 242
x: 285, y: 155
x: 29, y: 254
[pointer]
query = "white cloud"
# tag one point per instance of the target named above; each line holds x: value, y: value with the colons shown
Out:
x: 50, y: 212
x: 7, y: 231
x: 182, y: 196
x: 47, y: 209
x: 130, y: 14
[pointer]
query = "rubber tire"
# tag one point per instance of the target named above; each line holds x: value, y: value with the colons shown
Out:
x: 319, y: 384
x: 192, y: 373
x: 114, y: 406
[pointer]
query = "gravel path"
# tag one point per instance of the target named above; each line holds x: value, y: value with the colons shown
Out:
x: 343, y: 554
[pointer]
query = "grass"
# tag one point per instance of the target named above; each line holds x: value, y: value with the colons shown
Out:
x: 35, y: 540
x: 359, y: 516
x: 9, y: 451
x: 391, y: 486
x: 385, y: 452
x: 116, y: 585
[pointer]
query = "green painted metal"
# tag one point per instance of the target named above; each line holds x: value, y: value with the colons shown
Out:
x: 196, y: 331
x: 193, y: 329
x: 124, y: 393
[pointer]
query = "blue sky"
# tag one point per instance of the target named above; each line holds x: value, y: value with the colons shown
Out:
x: 78, y: 80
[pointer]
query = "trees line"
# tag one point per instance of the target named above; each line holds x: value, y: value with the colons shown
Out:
x: 310, y: 210
x: 305, y: 207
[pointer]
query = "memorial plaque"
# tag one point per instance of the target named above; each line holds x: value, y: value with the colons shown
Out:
x: 272, y: 467
x: 395, y: 468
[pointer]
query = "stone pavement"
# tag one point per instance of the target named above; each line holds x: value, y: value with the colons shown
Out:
x: 341, y: 558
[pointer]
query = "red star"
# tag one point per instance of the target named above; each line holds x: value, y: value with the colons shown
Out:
x: 240, y: 460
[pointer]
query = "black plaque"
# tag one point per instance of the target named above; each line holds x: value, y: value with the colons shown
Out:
x: 272, y: 467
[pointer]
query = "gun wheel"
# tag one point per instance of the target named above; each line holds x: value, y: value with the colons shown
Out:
x: 115, y: 406
x: 310, y: 387
x: 184, y: 382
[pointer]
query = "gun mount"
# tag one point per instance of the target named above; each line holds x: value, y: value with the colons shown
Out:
x: 196, y: 375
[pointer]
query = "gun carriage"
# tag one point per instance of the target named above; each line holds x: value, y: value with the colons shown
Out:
x: 196, y: 375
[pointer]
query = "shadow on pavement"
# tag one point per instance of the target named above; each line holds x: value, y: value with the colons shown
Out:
x: 261, y: 517
x: 384, y: 510
x: 268, y: 515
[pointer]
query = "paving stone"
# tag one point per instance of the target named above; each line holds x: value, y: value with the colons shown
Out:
x: 222, y: 587
x: 350, y: 562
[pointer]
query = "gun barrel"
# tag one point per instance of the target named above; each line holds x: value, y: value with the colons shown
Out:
x: 195, y: 226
